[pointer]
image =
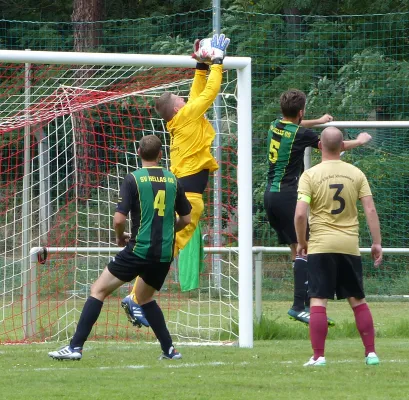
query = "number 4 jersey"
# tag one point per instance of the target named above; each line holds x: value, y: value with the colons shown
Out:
x: 286, y: 143
x: 333, y: 188
x: 152, y: 195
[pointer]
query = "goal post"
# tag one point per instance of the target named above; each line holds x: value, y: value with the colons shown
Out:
x: 52, y: 111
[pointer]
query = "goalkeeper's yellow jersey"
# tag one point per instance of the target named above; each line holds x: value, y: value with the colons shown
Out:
x: 190, y: 132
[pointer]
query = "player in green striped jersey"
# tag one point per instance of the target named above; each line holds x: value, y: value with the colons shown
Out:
x: 153, y: 196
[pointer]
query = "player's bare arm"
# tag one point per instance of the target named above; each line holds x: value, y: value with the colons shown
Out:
x: 361, y: 139
x: 300, y: 223
x: 182, y: 221
x: 310, y: 123
x: 372, y: 220
x: 122, y: 237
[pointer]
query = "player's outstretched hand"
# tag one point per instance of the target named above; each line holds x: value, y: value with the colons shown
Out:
x: 219, y: 46
x: 376, y: 252
x: 196, y: 54
x: 364, y: 137
x: 325, y: 118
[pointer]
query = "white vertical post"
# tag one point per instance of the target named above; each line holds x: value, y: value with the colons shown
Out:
x: 258, y: 284
x: 44, y: 170
x: 25, y: 213
x: 217, y: 195
x: 245, y: 209
x: 33, y: 294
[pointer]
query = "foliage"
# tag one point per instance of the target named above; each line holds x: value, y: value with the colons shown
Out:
x: 359, y: 87
x: 328, y: 7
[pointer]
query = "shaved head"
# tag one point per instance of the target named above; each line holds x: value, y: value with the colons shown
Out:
x: 332, y: 140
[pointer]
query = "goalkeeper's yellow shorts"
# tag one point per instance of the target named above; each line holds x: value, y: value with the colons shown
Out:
x: 183, y: 236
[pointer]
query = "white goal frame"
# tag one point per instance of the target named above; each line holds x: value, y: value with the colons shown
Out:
x: 244, y: 154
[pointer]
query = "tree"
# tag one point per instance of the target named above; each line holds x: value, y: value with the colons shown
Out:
x: 86, y: 17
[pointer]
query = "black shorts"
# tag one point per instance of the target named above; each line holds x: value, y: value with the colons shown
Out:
x: 280, y: 210
x: 334, y: 273
x: 126, y: 266
x: 195, y: 183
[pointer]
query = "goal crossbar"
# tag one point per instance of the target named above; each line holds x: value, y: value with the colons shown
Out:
x: 154, y: 60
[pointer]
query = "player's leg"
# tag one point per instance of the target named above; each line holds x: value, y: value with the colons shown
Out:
x: 365, y: 326
x: 280, y: 210
x: 151, y: 280
x: 102, y: 287
x: 300, y: 280
x: 351, y: 287
x: 130, y: 303
x: 318, y: 327
x: 322, y: 276
x: 299, y: 311
x: 133, y: 310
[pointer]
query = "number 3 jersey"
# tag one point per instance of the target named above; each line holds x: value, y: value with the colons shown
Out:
x: 286, y: 143
x: 333, y: 188
x: 152, y: 195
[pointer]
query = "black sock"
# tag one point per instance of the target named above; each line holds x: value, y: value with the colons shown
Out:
x: 300, y: 283
x: 307, y: 296
x: 154, y: 315
x: 89, y: 315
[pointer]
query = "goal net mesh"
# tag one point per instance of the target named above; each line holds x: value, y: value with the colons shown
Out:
x: 81, y: 126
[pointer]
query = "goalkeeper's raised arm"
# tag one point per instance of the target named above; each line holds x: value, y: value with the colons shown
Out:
x: 207, y: 52
x: 203, y: 91
x: 191, y: 133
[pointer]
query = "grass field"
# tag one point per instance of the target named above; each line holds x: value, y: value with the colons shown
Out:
x: 271, y: 370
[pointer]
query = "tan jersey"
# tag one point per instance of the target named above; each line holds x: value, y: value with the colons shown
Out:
x: 334, y: 188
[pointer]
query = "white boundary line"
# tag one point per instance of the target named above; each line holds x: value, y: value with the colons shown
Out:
x: 180, y: 364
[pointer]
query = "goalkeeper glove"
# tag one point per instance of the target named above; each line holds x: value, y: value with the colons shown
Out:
x: 219, y: 46
x: 201, y: 64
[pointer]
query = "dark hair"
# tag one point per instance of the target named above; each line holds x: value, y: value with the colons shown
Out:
x: 291, y: 102
x: 164, y: 106
x: 149, y: 147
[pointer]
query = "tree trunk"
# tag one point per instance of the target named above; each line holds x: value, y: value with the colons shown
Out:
x: 294, y: 23
x: 87, y: 37
x: 87, y: 16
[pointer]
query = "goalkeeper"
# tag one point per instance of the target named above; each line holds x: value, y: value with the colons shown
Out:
x: 191, y: 136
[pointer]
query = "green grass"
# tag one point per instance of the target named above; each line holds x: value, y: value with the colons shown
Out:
x: 272, y: 369
x: 112, y: 324
x: 389, y: 320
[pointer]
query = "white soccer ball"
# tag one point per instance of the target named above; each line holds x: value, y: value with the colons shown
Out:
x: 205, y: 50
